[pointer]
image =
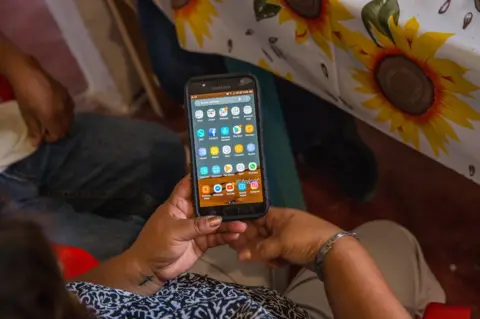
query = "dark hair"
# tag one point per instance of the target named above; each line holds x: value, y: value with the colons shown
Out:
x: 31, y: 282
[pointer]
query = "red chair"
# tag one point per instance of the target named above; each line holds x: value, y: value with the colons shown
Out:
x: 75, y: 261
x: 441, y: 311
x: 6, y: 91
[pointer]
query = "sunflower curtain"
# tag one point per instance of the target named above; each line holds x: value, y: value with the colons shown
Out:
x: 409, y: 68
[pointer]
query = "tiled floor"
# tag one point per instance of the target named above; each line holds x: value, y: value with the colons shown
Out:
x: 439, y: 206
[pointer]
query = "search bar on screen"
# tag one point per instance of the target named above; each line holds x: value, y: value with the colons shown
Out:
x: 223, y: 100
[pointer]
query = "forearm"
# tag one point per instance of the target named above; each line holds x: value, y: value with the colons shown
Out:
x: 10, y: 56
x: 122, y: 272
x: 355, y: 286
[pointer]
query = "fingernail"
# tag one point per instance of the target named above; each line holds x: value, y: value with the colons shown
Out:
x: 214, y: 221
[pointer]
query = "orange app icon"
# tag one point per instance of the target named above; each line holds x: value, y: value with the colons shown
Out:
x: 238, y: 148
x: 206, y: 189
x: 249, y: 129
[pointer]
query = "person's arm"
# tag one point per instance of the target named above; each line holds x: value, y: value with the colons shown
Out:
x: 10, y: 56
x: 171, y: 241
x: 354, y: 285
x: 123, y: 272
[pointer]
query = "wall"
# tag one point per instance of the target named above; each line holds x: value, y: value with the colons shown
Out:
x: 30, y: 25
x: 106, y: 37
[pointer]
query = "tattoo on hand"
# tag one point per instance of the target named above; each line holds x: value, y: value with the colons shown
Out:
x: 146, y: 280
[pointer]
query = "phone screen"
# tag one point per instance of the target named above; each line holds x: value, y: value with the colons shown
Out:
x: 226, y: 145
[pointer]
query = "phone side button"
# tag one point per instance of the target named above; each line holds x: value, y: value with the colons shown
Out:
x: 230, y: 211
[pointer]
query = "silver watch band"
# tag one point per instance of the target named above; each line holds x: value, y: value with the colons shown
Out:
x: 319, y: 259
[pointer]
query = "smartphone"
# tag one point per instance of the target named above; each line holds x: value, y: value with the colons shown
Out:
x: 228, y: 167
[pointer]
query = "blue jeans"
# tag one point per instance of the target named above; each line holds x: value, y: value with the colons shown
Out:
x: 95, y: 188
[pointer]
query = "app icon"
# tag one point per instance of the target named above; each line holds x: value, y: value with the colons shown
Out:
x: 225, y: 130
x: 199, y: 115
x: 230, y: 187
x: 237, y: 129
x: 217, y: 188
x: 215, y: 169
x: 240, y: 167
x: 226, y: 149
x: 202, y: 151
x: 223, y: 111
x: 242, y: 186
x: 235, y: 110
x: 200, y: 133
x: 249, y: 128
x: 204, y: 170
x: 211, y: 113
x: 212, y: 132
x: 214, y: 150
x: 206, y: 189
x: 252, y: 166
x: 251, y: 147
x: 254, y: 185
x: 238, y: 148
x: 228, y: 168
x: 247, y: 109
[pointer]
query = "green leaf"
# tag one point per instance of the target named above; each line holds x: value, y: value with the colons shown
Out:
x: 264, y: 10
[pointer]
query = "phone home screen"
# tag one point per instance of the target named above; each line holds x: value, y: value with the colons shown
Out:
x: 226, y: 145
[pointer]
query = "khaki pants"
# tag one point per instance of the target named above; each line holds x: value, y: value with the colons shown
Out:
x: 394, y: 249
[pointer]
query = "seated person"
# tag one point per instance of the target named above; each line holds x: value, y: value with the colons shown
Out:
x: 384, y: 275
x: 323, y: 134
x: 89, y: 180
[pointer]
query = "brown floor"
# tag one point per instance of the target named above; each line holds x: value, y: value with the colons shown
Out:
x: 439, y: 206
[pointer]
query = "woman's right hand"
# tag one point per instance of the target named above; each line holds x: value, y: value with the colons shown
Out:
x: 284, y: 234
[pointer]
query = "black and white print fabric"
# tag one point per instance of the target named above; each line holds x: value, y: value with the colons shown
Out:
x: 188, y: 296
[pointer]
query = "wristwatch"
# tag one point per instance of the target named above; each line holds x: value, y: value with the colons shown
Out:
x: 319, y: 259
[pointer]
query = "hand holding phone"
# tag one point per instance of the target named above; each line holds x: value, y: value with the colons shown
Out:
x: 228, y: 170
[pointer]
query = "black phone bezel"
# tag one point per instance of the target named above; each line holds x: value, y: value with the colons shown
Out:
x: 234, y: 211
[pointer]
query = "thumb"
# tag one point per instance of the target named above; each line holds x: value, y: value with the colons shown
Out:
x: 189, y: 229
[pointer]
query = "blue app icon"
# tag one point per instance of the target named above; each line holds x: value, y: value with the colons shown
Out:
x: 225, y: 131
x: 201, y: 133
x: 217, y: 188
x: 212, y: 132
x: 202, y: 151
x: 216, y: 170
x: 203, y: 170
x: 242, y: 186
x: 251, y: 147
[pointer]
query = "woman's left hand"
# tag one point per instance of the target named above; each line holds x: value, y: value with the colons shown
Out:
x: 172, y: 240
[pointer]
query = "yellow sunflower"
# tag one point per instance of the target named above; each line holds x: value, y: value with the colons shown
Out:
x: 321, y: 23
x: 412, y: 89
x: 264, y: 65
x: 196, y: 14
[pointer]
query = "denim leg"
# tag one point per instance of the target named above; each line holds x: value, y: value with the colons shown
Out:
x: 102, y: 237
x: 108, y: 166
x: 172, y: 65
